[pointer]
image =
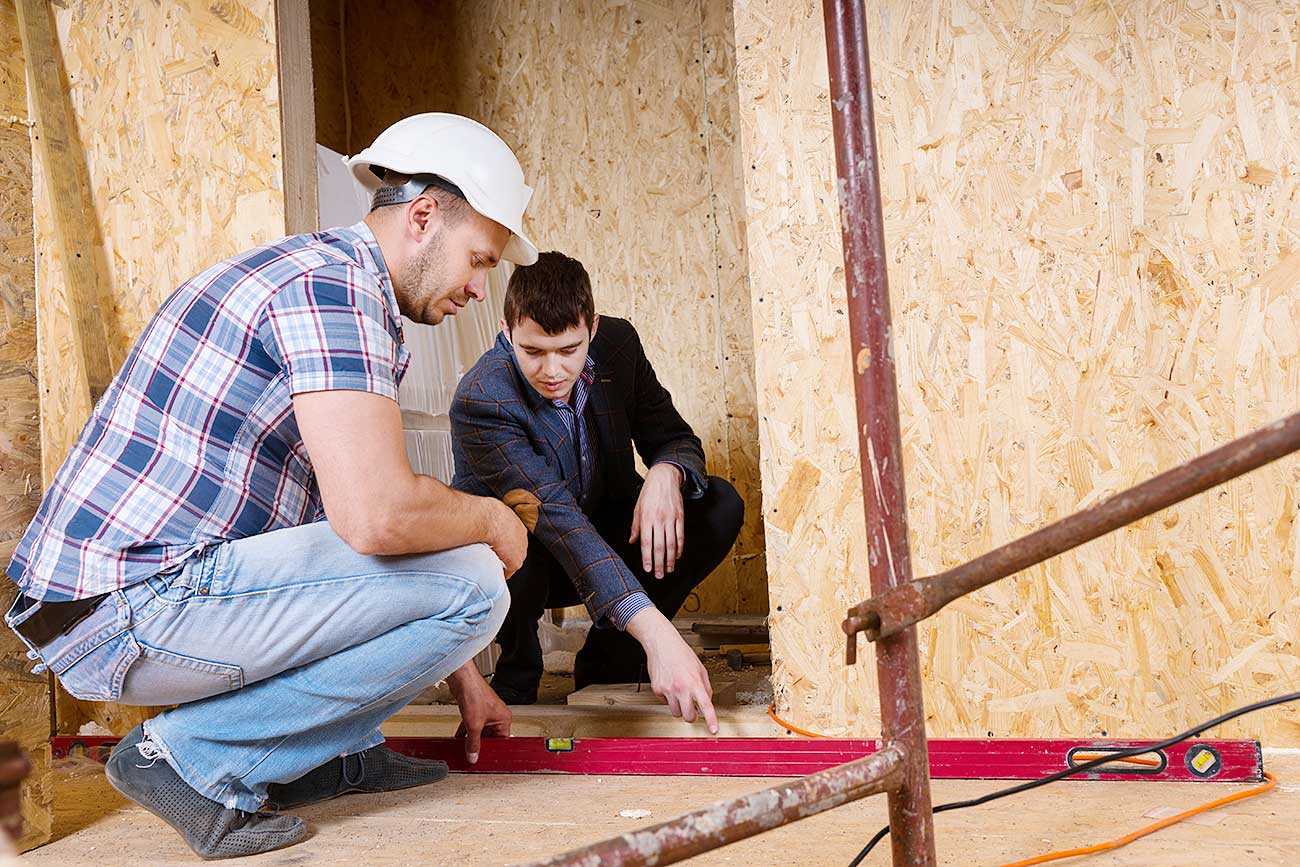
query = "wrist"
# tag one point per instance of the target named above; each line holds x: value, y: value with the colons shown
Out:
x: 674, y: 470
x: 488, y: 518
x: 649, y: 627
x: 464, y: 678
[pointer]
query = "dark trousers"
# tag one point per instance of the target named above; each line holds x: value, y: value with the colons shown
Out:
x: 610, y: 656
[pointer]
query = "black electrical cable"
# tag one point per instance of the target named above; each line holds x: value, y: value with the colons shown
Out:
x: 1087, y: 766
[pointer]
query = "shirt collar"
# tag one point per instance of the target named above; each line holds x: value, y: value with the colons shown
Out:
x: 530, y: 394
x: 372, y: 260
x: 585, y: 380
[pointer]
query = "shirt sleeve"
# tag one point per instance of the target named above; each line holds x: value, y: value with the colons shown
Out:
x: 330, y: 331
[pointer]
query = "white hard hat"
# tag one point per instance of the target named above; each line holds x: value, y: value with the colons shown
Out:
x: 467, y: 154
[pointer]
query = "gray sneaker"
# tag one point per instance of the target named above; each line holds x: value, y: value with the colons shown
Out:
x: 377, y: 769
x: 139, y: 769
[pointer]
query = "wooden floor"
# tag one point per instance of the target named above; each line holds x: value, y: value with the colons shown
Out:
x: 509, y: 819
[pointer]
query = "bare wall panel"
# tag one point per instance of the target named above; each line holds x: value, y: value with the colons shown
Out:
x: 1090, y: 211
x: 177, y: 109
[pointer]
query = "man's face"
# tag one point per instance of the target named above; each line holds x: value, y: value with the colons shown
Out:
x: 450, y: 268
x: 551, y: 362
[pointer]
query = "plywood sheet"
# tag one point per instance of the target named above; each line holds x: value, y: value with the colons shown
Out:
x: 24, y: 697
x: 1090, y: 214
x: 623, y: 116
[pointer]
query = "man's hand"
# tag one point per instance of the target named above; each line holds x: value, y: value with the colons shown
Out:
x: 481, y: 711
x: 676, y: 673
x: 505, y: 533
x: 659, y: 520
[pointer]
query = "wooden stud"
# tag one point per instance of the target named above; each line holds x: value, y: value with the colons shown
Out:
x: 297, y: 115
x: 57, y: 142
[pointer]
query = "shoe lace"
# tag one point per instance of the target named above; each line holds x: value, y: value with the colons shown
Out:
x: 361, y: 770
x: 151, y: 752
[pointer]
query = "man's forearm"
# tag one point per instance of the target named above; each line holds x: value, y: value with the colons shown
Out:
x: 433, y: 517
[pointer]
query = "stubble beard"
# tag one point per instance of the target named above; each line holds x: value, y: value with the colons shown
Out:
x: 424, y: 275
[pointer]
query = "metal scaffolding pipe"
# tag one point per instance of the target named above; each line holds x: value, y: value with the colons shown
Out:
x: 730, y: 821
x: 888, y: 613
x: 870, y: 337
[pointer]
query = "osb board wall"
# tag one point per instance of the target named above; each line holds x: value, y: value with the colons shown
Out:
x: 24, y: 697
x: 178, y: 118
x: 1091, y: 214
x: 624, y: 117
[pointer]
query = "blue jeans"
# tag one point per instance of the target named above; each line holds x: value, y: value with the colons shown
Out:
x: 283, y: 650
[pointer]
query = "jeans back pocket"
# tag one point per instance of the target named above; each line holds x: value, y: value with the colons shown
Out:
x: 91, y: 662
x: 166, y: 677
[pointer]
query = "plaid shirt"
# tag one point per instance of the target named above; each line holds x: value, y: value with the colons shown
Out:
x: 195, y: 441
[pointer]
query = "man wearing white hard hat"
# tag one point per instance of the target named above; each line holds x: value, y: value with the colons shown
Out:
x: 238, y: 531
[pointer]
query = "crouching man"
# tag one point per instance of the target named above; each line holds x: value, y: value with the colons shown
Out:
x: 238, y: 531
x: 554, y: 408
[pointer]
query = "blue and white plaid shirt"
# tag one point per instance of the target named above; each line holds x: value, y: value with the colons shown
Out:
x: 195, y: 441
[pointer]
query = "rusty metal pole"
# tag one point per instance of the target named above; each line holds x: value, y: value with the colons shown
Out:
x: 730, y: 821
x: 870, y: 334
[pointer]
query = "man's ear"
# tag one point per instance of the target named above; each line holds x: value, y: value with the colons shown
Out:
x: 422, y: 216
x: 505, y: 329
x: 595, y: 323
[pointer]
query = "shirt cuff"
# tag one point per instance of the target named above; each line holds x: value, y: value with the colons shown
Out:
x: 626, y: 608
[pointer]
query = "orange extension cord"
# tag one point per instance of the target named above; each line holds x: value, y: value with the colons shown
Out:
x: 1061, y: 854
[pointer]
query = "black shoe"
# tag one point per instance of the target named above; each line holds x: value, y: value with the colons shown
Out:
x: 511, y: 695
x: 377, y: 769
x: 140, y: 769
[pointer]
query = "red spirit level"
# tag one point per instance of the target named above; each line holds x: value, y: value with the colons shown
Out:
x: 1226, y: 761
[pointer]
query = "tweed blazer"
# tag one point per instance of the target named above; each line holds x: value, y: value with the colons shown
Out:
x: 503, y: 440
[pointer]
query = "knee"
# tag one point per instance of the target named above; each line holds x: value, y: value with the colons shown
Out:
x: 480, y: 564
x: 728, y: 508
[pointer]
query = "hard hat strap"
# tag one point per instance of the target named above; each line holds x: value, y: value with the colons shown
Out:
x: 408, y: 191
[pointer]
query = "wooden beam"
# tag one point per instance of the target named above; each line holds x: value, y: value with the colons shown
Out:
x: 641, y: 695
x: 563, y: 721
x: 24, y: 697
x: 297, y: 116
x: 56, y: 142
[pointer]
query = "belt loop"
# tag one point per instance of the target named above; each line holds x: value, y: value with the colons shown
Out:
x: 125, y: 615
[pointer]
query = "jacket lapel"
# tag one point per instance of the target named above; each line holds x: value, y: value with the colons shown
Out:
x: 557, y: 435
x: 601, y: 410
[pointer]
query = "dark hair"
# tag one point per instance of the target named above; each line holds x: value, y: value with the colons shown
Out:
x: 555, y: 292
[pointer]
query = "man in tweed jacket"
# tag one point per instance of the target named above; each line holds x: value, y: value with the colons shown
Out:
x: 554, y: 409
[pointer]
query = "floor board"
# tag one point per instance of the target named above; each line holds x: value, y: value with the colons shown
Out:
x: 510, y: 819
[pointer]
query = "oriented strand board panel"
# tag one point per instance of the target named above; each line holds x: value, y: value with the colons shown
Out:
x: 24, y: 697
x: 1091, y: 213
x: 624, y: 117
x: 177, y: 110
